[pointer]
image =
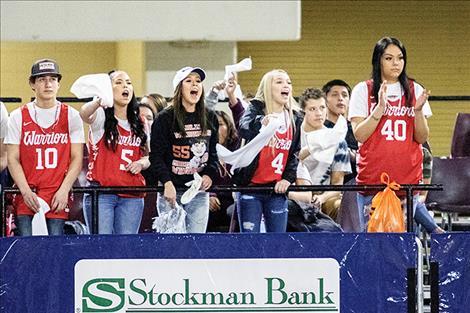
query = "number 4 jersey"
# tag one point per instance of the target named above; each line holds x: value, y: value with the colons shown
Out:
x: 391, y: 148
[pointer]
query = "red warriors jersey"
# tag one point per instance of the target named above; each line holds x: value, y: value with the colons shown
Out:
x: 108, y: 168
x: 44, y: 157
x: 273, y: 157
x: 391, y: 148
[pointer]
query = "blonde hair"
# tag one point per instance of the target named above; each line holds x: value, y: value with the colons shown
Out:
x: 264, y: 94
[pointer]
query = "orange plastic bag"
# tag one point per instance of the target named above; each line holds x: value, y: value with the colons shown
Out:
x: 386, y: 215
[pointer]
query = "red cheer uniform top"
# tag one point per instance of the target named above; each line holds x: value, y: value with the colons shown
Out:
x: 391, y: 148
x: 108, y: 167
x: 45, y: 158
x: 273, y: 157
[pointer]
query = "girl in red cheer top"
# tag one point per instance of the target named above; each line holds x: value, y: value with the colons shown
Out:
x: 276, y: 163
x: 183, y: 142
x: 118, y: 153
x: 388, y: 115
x: 45, y: 150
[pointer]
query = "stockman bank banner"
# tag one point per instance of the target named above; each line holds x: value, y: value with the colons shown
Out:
x: 207, y: 285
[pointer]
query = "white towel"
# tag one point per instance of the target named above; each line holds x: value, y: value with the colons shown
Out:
x: 323, y: 143
x: 94, y: 85
x: 243, y: 65
x: 38, y: 224
x: 245, y: 155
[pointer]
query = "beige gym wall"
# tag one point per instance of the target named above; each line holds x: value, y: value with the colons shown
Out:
x: 337, y: 42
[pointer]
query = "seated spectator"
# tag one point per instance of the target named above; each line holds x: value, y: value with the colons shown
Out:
x: 305, y: 214
x: 156, y: 101
x: 337, y: 94
x: 422, y: 215
x: 324, y: 171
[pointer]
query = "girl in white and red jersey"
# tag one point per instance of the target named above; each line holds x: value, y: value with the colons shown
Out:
x: 276, y: 164
x: 45, y: 150
x: 118, y: 154
x: 388, y: 115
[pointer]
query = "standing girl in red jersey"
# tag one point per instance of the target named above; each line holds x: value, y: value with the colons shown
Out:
x: 117, y: 149
x: 276, y: 164
x: 388, y: 115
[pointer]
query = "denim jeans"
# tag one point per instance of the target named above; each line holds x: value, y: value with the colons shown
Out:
x: 197, y: 211
x: 422, y: 217
x: 55, y: 226
x: 116, y: 214
x: 363, y: 205
x: 252, y: 206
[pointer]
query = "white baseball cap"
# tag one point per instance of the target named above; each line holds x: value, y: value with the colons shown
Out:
x: 184, y: 72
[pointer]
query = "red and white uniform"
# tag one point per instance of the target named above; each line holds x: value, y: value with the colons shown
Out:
x: 45, y: 158
x: 273, y: 157
x: 391, y: 148
x: 108, y: 168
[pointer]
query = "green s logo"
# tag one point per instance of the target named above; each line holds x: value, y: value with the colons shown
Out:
x: 103, y: 295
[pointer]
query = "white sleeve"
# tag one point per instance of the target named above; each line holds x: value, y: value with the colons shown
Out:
x: 76, y: 131
x: 358, y: 102
x: 426, y: 108
x: 13, y: 135
x: 97, y: 127
x: 3, y: 120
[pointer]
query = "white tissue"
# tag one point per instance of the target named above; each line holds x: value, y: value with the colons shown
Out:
x: 94, y: 85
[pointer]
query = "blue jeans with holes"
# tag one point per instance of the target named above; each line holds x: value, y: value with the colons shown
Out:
x: 55, y: 226
x: 252, y: 206
x: 197, y: 211
x: 364, y: 204
x: 116, y: 215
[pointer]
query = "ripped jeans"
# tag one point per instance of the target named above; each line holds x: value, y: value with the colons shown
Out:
x: 251, y: 207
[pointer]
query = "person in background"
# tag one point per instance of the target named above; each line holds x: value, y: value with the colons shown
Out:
x: 276, y: 164
x: 388, y: 114
x: 156, y: 101
x: 183, y: 142
x: 45, y: 151
x: 422, y: 215
x: 118, y: 153
x: 3, y: 131
x: 305, y: 213
x: 337, y: 93
x: 313, y: 104
x: 221, y: 205
x: 147, y: 115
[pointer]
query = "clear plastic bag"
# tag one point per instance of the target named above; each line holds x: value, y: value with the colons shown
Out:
x: 172, y: 221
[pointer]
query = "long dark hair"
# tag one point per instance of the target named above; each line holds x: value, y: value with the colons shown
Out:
x: 379, y: 49
x: 180, y: 111
x: 232, y: 136
x: 111, y: 133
